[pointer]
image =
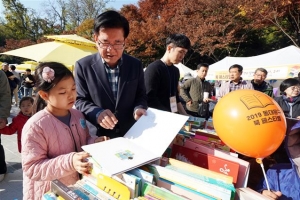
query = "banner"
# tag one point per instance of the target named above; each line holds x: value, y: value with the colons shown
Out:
x: 276, y: 72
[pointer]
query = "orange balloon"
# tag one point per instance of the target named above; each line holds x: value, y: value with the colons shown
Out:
x: 250, y: 122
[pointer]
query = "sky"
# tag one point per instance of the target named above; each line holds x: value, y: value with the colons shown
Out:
x: 36, y: 4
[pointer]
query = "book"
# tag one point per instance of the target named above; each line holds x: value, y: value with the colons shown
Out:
x: 182, y: 191
x: 94, y: 190
x: 227, y: 186
x: 193, y: 183
x: 144, y: 175
x: 207, y: 161
x: 145, y: 142
x: 128, y: 180
x: 60, y: 189
x: 159, y: 193
x: 201, y: 171
x: 244, y: 167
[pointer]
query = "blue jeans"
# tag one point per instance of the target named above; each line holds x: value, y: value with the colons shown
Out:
x: 27, y: 92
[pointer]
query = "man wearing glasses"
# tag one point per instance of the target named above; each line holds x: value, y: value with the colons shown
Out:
x: 110, y: 84
x: 259, y: 82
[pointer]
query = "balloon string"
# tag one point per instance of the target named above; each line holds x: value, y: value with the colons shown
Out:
x: 263, y: 169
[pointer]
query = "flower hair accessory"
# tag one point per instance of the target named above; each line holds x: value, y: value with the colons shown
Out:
x: 48, y: 74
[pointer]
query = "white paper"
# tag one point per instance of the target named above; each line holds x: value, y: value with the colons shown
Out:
x: 157, y: 130
x: 146, y: 140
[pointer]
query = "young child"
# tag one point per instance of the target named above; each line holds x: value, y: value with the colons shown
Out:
x: 53, y: 136
x: 19, y: 121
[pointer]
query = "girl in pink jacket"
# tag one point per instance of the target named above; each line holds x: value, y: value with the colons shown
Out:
x: 53, y: 136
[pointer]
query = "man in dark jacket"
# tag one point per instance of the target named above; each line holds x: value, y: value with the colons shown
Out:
x: 110, y: 84
x: 5, y: 105
x: 192, y: 91
x: 259, y: 82
x: 28, y: 83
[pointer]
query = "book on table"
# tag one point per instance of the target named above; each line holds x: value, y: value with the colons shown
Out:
x: 145, y: 142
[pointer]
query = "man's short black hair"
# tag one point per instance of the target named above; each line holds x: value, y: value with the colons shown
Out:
x: 202, y: 65
x: 111, y: 19
x: 240, y: 68
x: 28, y: 70
x: 179, y: 40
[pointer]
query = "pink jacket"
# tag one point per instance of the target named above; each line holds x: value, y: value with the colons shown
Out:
x: 47, y: 150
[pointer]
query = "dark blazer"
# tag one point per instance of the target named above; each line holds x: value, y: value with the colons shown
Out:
x: 94, y: 92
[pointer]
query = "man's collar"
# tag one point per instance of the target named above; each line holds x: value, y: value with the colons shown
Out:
x: 238, y: 82
x: 107, y: 65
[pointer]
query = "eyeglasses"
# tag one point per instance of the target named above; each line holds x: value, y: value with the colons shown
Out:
x: 107, y: 45
x: 261, y: 75
x: 295, y: 88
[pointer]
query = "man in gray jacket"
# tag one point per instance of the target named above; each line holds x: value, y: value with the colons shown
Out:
x: 192, y: 90
x: 5, y: 105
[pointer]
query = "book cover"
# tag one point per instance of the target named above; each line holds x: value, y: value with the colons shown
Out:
x: 207, y: 161
x: 129, y: 181
x: 145, y: 142
x: 201, y: 171
x: 94, y: 190
x: 144, y: 175
x: 192, y: 182
x: 138, y: 184
x: 183, y: 191
x: 244, y: 166
x: 159, y: 193
x: 228, y: 186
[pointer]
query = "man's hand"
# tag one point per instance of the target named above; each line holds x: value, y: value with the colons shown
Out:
x: 271, y: 194
x: 3, y: 122
x: 189, y: 103
x: 139, y: 112
x: 107, y: 119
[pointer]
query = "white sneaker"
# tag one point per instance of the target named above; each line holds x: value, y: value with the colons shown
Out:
x: 2, y: 177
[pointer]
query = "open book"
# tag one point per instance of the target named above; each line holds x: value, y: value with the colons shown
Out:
x: 145, y: 142
x: 256, y: 101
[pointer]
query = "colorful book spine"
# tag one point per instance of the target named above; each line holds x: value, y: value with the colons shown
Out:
x: 192, y: 183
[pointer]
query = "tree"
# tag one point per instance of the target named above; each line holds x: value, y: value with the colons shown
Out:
x: 216, y: 28
x: 71, y: 13
x: 283, y: 15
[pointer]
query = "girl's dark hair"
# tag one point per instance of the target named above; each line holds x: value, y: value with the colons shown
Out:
x: 60, y: 72
x: 26, y: 99
x: 288, y: 83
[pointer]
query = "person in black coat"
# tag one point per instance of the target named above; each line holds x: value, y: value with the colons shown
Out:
x: 289, y: 101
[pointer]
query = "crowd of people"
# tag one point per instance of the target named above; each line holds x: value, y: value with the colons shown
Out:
x: 107, y: 94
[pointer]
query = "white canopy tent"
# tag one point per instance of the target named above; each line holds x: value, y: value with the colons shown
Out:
x: 280, y: 64
x: 184, y: 70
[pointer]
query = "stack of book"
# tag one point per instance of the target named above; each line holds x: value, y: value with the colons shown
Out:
x: 132, y: 167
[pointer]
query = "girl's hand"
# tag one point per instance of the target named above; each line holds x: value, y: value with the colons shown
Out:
x: 271, y: 194
x: 80, y: 163
x: 101, y: 139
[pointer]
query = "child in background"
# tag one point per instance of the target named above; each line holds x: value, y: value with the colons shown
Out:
x: 53, y: 136
x: 19, y: 121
